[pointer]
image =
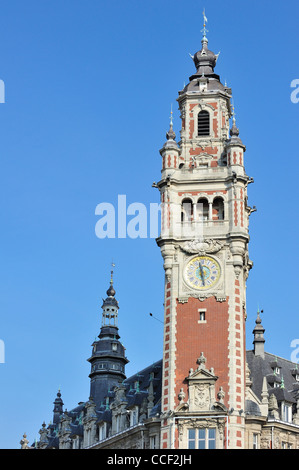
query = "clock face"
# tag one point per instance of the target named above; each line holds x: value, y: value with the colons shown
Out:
x: 202, y: 272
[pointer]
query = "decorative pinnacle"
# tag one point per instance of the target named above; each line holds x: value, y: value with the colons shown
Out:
x: 234, y: 130
x: 170, y: 134
x: 258, y: 319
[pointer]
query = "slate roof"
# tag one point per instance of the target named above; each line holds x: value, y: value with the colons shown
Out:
x: 138, y: 384
x: 134, y: 397
x: 261, y: 367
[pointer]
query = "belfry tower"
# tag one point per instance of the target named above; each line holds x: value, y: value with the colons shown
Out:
x: 204, y: 243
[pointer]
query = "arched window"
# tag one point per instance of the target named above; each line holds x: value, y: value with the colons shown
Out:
x: 218, y: 209
x: 203, y: 123
x: 202, y: 208
x: 187, y: 210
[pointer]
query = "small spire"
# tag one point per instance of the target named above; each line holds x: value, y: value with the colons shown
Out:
x: 234, y: 131
x: 258, y: 318
x: 170, y: 135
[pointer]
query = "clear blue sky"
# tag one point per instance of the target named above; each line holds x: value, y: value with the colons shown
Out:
x: 89, y: 85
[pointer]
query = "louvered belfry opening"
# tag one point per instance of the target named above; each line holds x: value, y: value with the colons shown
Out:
x: 203, y: 123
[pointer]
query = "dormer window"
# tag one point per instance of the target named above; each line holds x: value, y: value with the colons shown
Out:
x: 134, y: 416
x: 203, y: 123
x: 102, y: 432
x: 286, y: 412
x: 277, y: 370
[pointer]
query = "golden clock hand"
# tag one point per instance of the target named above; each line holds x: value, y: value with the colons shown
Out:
x: 202, y: 273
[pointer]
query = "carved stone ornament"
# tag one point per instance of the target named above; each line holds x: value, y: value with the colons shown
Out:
x: 202, y: 397
x: 24, y: 442
x: 182, y: 395
x: 221, y: 395
x: 201, y: 296
x: 201, y: 386
x: 203, y: 159
x: 208, y: 245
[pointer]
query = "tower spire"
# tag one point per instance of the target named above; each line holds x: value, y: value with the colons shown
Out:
x: 205, y: 60
x: 58, y: 407
x: 108, y: 358
x: 234, y: 131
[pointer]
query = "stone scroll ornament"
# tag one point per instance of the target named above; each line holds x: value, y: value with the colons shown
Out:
x: 201, y: 247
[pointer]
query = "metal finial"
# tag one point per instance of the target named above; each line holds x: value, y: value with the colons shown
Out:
x: 111, y: 280
x: 171, y: 122
x: 205, y: 19
x: 204, y: 30
x: 233, y: 113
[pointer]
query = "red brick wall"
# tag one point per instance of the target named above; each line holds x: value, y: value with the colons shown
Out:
x: 211, y: 338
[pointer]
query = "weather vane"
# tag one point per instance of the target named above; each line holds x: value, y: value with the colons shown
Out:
x: 233, y: 113
x: 112, y: 265
x: 205, y: 20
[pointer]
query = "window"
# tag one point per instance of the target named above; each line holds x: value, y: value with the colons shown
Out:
x: 102, y: 432
x: 218, y: 209
x: 118, y: 423
x: 203, y: 123
x: 76, y: 443
x: 154, y: 442
x: 255, y: 441
x: 286, y: 412
x: 134, y: 417
x: 202, y: 315
x: 187, y: 210
x: 202, y: 208
x: 203, y: 438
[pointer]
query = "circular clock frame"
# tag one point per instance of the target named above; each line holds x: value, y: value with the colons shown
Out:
x: 202, y: 272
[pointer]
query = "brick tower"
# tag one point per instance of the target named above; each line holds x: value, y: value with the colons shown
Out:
x: 204, y: 244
